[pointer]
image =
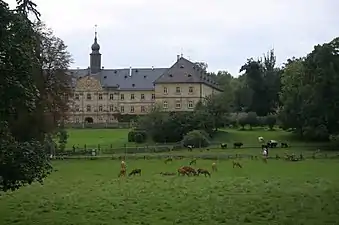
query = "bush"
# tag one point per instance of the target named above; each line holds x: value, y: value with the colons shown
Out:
x: 196, y: 138
x: 270, y: 121
x: 138, y: 136
x: 252, y: 119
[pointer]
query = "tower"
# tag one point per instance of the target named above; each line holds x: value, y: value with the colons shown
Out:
x: 95, y: 56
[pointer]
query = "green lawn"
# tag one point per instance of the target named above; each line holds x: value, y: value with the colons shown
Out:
x: 89, y: 192
x: 93, y: 137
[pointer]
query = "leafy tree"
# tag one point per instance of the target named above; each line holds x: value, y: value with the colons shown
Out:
x: 252, y: 119
x: 271, y: 121
x: 62, y: 138
x: 263, y: 79
x: 26, y: 98
x: 202, y: 65
x: 310, y: 93
x: 196, y: 138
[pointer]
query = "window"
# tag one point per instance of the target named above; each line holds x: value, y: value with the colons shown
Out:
x: 132, y: 109
x: 89, y: 97
x: 77, y: 108
x: 165, y: 105
x: 190, y: 90
x: 111, y: 108
x: 122, y: 109
x: 177, y: 104
x: 100, y: 96
x: 153, y: 96
x: 100, y: 118
x: 122, y: 97
x: 88, y: 108
x: 143, y: 109
x: 132, y: 96
x: 177, y: 90
x: 77, y: 119
x: 190, y: 104
x: 165, y: 90
x: 111, y: 96
x: 100, y: 108
x: 142, y: 96
x: 76, y: 96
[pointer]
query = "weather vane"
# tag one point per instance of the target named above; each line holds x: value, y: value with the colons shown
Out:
x: 95, y: 29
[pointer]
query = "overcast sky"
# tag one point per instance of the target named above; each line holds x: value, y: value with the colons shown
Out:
x: 223, y: 33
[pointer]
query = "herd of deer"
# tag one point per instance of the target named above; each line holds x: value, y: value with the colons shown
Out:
x: 184, y: 170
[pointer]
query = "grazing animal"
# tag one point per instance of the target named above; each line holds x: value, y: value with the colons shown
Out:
x: 261, y: 139
x: 183, y: 172
x: 190, y: 170
x: 122, y: 173
x: 190, y: 148
x: 237, y: 144
x: 203, y: 171
x: 272, y: 144
x: 194, y: 161
x: 168, y: 160
x: 167, y: 174
x: 134, y: 172
x: 214, y: 167
x: 123, y: 165
x: 284, y: 145
x: 223, y: 145
x: 236, y: 164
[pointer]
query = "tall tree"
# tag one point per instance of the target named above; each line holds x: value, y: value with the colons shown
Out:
x: 310, y: 93
x: 263, y: 78
x: 25, y: 96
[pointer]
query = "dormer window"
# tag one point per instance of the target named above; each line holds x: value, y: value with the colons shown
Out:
x: 145, y: 76
x: 189, y: 75
x: 125, y: 77
x: 133, y: 85
x: 115, y: 71
x: 105, y: 77
x: 181, y: 66
x: 170, y: 75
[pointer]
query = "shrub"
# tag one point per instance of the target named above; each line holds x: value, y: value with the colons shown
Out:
x: 195, y: 138
x: 138, y: 136
x: 252, y: 119
x: 131, y: 136
x: 270, y: 121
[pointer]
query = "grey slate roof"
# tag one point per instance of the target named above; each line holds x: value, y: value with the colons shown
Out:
x: 185, y: 71
x: 140, y: 79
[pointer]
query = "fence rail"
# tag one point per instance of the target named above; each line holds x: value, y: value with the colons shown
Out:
x: 163, y: 148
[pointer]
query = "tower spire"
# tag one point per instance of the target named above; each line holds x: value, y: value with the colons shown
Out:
x: 95, y: 32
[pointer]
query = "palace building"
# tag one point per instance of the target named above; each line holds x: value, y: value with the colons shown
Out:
x: 100, y: 93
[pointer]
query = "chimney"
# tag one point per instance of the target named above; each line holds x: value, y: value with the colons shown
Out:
x: 102, y: 67
x: 130, y: 71
x: 152, y: 67
x: 178, y: 57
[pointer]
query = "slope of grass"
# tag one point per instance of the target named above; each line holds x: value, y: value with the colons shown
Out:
x: 93, y: 137
x: 89, y: 192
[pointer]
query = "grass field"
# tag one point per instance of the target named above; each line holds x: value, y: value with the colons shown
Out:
x: 93, y: 137
x: 118, y: 137
x: 89, y: 192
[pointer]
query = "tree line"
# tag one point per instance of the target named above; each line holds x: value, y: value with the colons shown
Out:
x: 302, y: 96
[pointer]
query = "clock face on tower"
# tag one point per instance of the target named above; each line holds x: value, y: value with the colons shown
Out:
x: 88, y: 82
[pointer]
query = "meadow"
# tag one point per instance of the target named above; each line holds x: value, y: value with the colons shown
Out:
x: 89, y: 191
